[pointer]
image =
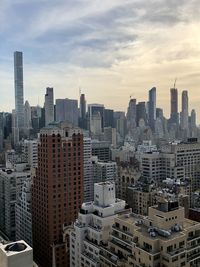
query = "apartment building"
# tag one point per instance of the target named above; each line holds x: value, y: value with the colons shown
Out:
x: 93, y: 226
x: 164, y: 238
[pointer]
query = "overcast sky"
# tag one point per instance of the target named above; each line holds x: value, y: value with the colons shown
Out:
x: 110, y: 48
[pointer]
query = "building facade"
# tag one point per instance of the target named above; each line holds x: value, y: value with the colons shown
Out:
x: 57, y: 192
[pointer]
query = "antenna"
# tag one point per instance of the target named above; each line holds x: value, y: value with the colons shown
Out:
x: 175, y: 82
x: 79, y: 92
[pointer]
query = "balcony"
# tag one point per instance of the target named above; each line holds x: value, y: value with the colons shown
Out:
x: 91, y: 258
x: 122, y: 231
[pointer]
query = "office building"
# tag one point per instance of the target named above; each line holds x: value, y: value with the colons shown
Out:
x: 131, y: 115
x: 94, y: 109
x: 108, y: 118
x: 184, y: 111
x: 103, y: 171
x: 120, y: 125
x: 67, y: 110
x: 152, y: 108
x: 96, y: 125
x: 93, y: 226
x: 83, y: 122
x: 57, y: 192
x: 110, y: 135
x: 101, y: 149
x: 174, y: 118
x: 49, y: 106
x: 141, y: 114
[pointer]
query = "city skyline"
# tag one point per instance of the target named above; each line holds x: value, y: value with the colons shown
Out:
x: 130, y: 56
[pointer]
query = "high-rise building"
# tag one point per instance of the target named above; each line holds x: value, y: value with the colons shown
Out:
x: 49, y: 106
x: 101, y: 149
x: 67, y: 110
x: 131, y: 115
x: 104, y: 171
x: 57, y: 192
x: 23, y: 213
x: 30, y: 151
x: 184, y: 112
x: 88, y: 177
x: 141, y: 113
x: 174, y: 105
x: 27, y: 119
x: 152, y: 107
x: 108, y: 118
x: 96, y: 109
x: 93, y: 226
x: 19, y: 89
x: 11, y: 183
x: 120, y: 125
x: 15, y: 129
x: 110, y: 135
x: 83, y: 120
x: 193, y: 119
x: 82, y: 106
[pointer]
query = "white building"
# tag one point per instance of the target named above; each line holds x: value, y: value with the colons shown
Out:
x: 27, y: 116
x: 17, y: 254
x: 93, y: 225
x: 30, y: 150
x: 49, y: 106
x: 11, y: 184
x: 23, y: 213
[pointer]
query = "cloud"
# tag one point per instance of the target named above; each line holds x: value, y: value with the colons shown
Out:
x: 111, y: 48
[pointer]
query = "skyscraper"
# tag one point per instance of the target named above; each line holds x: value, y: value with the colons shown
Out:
x: 141, y: 112
x: 49, y: 106
x: 152, y: 107
x: 193, y: 119
x: 83, y: 120
x: 96, y: 109
x: 67, y: 110
x: 131, y: 115
x: 184, y: 112
x: 19, y: 89
x: 82, y: 107
x: 174, y: 105
x: 57, y: 192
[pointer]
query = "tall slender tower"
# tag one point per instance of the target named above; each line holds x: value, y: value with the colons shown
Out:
x: 49, y: 106
x: 152, y: 108
x: 57, y: 192
x: 174, y: 105
x: 82, y: 106
x: 184, y: 112
x: 131, y: 115
x: 19, y: 89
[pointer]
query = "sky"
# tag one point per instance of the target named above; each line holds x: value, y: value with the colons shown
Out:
x: 111, y: 49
